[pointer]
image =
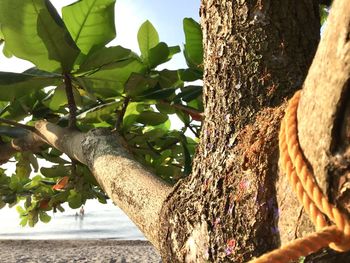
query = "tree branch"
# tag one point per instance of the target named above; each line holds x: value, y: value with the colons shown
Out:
x: 325, y: 88
x: 132, y: 187
x: 31, y: 142
x: 16, y: 124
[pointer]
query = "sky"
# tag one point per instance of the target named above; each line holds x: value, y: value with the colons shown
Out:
x: 165, y: 15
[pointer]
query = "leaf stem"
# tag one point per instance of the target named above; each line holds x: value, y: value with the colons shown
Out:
x: 121, y: 114
x: 72, y: 122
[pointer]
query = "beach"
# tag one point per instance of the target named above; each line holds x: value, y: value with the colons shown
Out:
x: 62, y: 251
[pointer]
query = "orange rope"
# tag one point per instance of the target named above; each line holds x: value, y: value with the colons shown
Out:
x: 310, y: 195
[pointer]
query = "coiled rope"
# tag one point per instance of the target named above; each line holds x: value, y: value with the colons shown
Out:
x: 310, y: 195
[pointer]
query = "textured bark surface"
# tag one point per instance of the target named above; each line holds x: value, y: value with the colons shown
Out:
x: 323, y: 117
x: 129, y: 185
x: 256, y: 54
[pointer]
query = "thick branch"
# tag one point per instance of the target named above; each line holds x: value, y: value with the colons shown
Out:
x: 326, y: 89
x: 30, y: 142
x: 134, y: 189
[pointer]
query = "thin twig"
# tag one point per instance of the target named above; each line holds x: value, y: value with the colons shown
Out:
x: 121, y: 114
x: 72, y: 122
x: 193, y: 131
x: 20, y: 125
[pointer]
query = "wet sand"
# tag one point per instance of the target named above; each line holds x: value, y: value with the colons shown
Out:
x: 62, y: 251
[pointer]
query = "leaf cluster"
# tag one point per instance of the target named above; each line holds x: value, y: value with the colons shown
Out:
x: 112, y: 86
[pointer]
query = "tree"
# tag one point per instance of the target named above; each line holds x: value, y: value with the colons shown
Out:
x: 235, y: 204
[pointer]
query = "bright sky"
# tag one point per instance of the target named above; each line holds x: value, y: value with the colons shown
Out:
x: 165, y: 15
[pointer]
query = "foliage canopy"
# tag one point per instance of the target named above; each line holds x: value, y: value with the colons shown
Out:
x: 112, y: 87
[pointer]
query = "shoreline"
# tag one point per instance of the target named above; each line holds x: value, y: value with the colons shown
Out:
x: 78, y: 250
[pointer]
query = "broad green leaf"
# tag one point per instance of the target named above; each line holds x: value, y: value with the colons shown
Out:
x: 105, y: 56
x: 99, y: 113
x: 152, y: 118
x: 174, y: 50
x: 132, y: 112
x: 189, y: 93
x: 170, y: 78
x: 110, y: 80
x: 138, y: 84
x: 15, y: 85
x: 190, y: 74
x: 156, y: 94
x: 34, y: 31
x: 24, y: 221
x: 166, y: 108
x: 148, y: 38
x: 44, y: 217
x: 90, y: 23
x: 58, y: 99
x: 55, y: 171
x: 74, y: 199
x: 193, y: 47
x: 158, y: 55
x: 23, y: 168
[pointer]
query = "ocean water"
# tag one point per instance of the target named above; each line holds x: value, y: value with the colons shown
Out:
x: 99, y: 221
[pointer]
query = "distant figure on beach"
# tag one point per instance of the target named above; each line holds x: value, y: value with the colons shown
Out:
x: 82, y: 212
x: 76, y: 215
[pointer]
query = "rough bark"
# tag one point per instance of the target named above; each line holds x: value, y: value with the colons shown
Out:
x: 323, y: 117
x: 256, y: 54
x: 130, y: 186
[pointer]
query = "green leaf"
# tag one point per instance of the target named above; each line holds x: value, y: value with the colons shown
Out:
x: 55, y: 171
x: 16, y: 85
x: 152, y: 118
x: 138, y: 84
x: 170, y: 78
x: 44, y: 217
x: 194, y: 46
x: 190, y: 74
x: 58, y: 99
x: 132, y: 112
x: 90, y: 23
x: 189, y: 93
x: 156, y: 94
x: 148, y: 38
x: 173, y: 50
x: 110, y: 80
x: 74, y: 199
x: 24, y: 221
x: 99, y: 113
x: 105, y: 56
x: 158, y: 55
x: 187, y: 156
x: 323, y: 13
x: 34, y: 31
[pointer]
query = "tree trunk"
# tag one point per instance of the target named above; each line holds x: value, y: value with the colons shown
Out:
x: 257, y: 54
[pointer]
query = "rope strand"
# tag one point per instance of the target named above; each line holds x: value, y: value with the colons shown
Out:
x: 310, y: 195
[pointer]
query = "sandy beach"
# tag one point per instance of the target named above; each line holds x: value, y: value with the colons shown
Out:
x: 62, y: 251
